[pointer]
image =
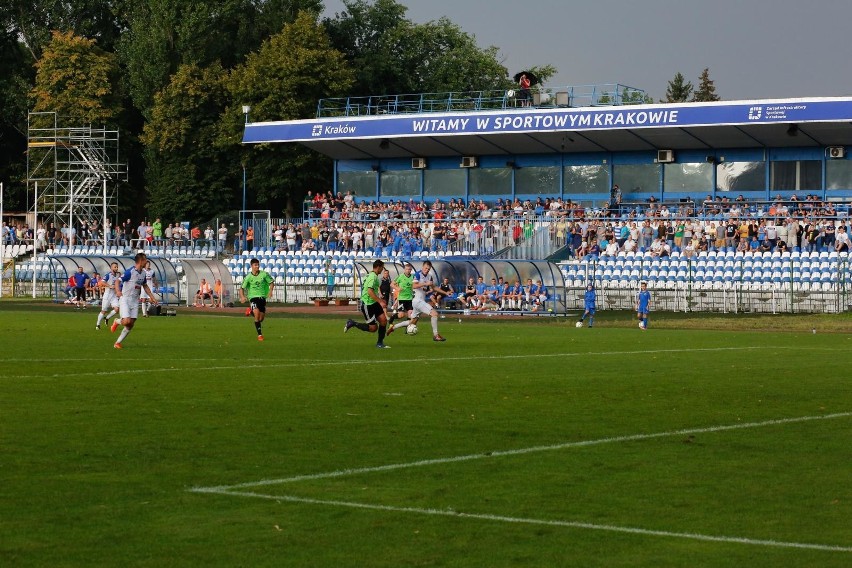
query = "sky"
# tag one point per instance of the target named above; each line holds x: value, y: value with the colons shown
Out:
x: 755, y: 49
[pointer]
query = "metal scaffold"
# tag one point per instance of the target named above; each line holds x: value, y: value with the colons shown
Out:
x: 67, y: 167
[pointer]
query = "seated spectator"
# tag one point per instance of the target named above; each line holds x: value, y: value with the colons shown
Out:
x: 841, y: 241
x: 93, y: 288
x: 219, y: 294
x: 204, y: 293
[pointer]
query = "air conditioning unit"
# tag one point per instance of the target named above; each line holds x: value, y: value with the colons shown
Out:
x: 468, y: 162
x: 665, y: 156
x: 836, y: 152
x: 418, y: 163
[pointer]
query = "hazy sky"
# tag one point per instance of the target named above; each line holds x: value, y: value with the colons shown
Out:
x: 754, y: 48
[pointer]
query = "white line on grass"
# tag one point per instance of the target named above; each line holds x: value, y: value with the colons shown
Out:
x: 229, y: 490
x: 517, y: 452
x: 269, y: 364
x: 522, y: 520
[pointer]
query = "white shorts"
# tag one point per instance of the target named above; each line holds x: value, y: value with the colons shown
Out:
x: 128, y: 308
x: 110, y: 300
x: 420, y: 307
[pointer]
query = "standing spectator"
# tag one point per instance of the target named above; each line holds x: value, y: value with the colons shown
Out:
x: 250, y: 238
x: 157, y: 231
x: 329, y: 280
x: 209, y: 235
x: 223, y: 237
x: 81, y: 279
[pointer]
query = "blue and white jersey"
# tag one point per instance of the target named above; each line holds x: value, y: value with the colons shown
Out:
x: 426, y: 280
x: 132, y: 282
x: 110, y: 279
x: 644, y: 301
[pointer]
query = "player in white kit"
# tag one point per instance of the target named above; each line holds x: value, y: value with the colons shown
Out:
x: 110, y: 299
x: 151, y: 280
x: 129, y: 289
x: 425, y: 283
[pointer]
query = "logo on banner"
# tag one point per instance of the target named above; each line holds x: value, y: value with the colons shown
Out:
x: 317, y: 130
x: 755, y: 113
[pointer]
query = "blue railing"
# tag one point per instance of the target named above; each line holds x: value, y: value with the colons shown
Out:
x: 610, y: 94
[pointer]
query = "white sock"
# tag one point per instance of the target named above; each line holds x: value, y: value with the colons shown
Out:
x: 112, y: 313
x: 401, y: 324
x: 434, y: 325
x: 123, y: 334
x: 100, y: 318
x: 145, y: 308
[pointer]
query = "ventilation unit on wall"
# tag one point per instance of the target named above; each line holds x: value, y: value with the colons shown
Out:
x: 836, y: 152
x: 665, y: 156
x: 418, y: 163
x: 468, y: 162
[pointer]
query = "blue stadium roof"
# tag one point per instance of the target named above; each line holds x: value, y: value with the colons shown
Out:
x: 813, y: 122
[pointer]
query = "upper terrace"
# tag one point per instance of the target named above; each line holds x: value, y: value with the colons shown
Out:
x: 610, y: 94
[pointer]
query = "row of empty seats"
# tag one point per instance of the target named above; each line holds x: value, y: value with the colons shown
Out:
x: 14, y: 251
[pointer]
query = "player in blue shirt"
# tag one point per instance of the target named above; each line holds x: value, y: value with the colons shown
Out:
x: 590, y: 299
x: 643, y: 306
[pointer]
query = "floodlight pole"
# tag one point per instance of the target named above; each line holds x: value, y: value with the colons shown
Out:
x: 246, y: 109
x: 35, y: 226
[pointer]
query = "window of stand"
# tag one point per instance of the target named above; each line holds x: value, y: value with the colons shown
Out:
x: 799, y: 175
x: 586, y: 179
x: 490, y: 181
x: 685, y: 178
x: 441, y: 183
x: 537, y: 180
x: 636, y: 178
x: 401, y: 183
x: 838, y: 175
x: 361, y: 184
x: 741, y: 177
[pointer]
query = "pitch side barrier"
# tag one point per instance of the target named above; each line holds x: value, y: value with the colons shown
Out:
x: 460, y: 271
x: 62, y: 266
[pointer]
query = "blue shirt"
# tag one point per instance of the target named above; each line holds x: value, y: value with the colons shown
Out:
x: 480, y: 288
x: 589, y: 299
x: 80, y: 279
x: 644, y: 301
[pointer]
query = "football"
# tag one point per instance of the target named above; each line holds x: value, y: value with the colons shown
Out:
x: 578, y: 324
x: 411, y: 329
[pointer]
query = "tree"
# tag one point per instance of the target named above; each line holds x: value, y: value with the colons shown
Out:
x: 284, y: 80
x: 706, y: 91
x: 78, y: 80
x: 679, y: 89
x: 188, y: 174
x: 391, y: 54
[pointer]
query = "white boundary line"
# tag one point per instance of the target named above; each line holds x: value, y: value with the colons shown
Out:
x: 522, y: 520
x: 330, y: 363
x: 521, y: 451
x: 231, y: 490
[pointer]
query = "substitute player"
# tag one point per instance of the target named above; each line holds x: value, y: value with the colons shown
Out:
x: 643, y: 306
x: 373, y: 306
x: 109, y: 299
x: 128, y: 288
x: 425, y: 284
x: 257, y: 287
x: 590, y: 300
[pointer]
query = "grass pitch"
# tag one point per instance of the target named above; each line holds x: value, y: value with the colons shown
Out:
x: 515, y: 443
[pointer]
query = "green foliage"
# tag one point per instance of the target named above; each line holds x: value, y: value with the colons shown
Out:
x: 189, y: 176
x: 77, y: 80
x: 679, y: 89
x: 391, y: 54
x: 706, y: 91
x: 284, y: 80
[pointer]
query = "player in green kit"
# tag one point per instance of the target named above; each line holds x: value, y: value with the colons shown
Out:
x: 404, y: 287
x: 257, y: 287
x: 373, y: 306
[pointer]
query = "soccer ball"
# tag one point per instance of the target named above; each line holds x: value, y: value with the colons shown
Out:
x: 411, y: 329
x: 578, y: 324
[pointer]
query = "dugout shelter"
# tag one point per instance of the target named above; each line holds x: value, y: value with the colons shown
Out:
x: 62, y: 266
x: 211, y: 270
x: 459, y: 271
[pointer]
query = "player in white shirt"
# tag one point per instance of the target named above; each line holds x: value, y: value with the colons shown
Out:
x: 425, y: 284
x: 110, y: 299
x: 151, y: 280
x: 129, y: 288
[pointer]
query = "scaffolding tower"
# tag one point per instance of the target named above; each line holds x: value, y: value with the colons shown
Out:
x: 67, y: 168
